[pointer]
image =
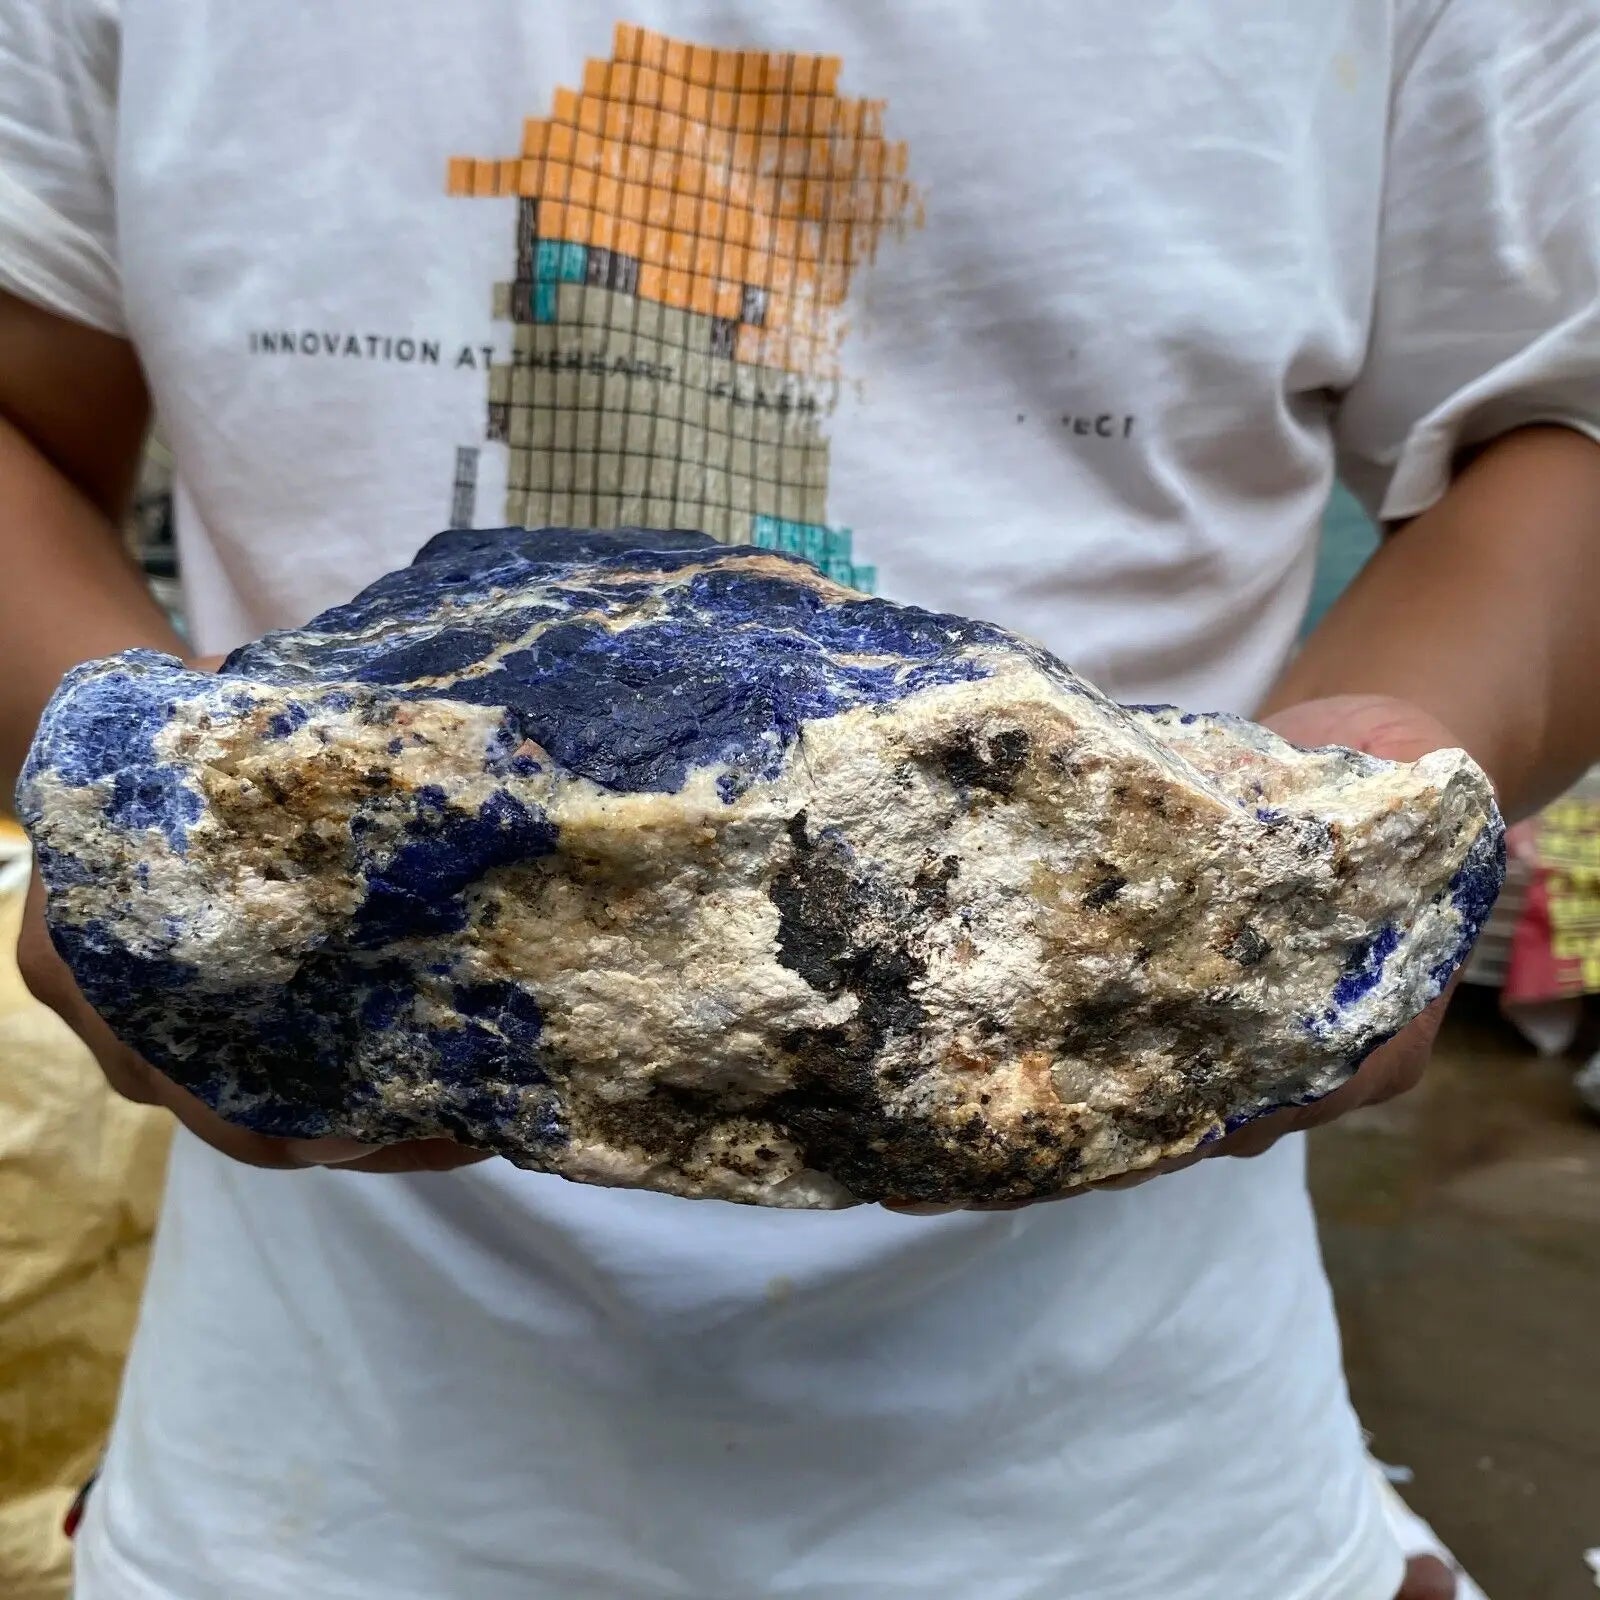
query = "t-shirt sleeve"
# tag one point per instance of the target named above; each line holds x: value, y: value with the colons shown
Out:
x: 1486, y: 312
x: 58, y: 80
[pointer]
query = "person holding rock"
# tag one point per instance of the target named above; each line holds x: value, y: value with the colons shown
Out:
x: 1055, y: 316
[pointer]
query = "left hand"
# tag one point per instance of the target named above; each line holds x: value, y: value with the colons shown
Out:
x: 51, y: 981
x: 1381, y: 726
x: 1397, y: 731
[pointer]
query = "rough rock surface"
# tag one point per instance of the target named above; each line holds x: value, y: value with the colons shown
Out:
x: 647, y: 861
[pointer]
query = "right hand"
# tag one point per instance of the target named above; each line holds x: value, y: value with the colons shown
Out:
x: 51, y: 981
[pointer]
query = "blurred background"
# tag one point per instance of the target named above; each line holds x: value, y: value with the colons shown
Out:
x: 1461, y: 1224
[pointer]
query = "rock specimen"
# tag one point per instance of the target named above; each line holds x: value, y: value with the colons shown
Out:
x: 651, y: 862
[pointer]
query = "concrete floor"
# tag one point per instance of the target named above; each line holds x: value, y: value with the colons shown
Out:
x: 1462, y: 1232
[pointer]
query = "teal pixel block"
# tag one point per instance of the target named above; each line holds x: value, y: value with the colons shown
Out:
x: 826, y: 548
x: 574, y: 263
x: 559, y: 261
x: 544, y: 301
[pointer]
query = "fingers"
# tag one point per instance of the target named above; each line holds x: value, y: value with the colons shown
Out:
x: 1427, y: 1578
x: 43, y: 971
x: 1258, y: 1137
x: 1378, y: 724
x: 1393, y: 1069
x: 295, y: 1155
x: 239, y: 1144
x: 51, y: 983
x: 413, y: 1155
x: 291, y: 1155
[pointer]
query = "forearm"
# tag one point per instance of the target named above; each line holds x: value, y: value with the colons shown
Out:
x: 1485, y: 612
x: 70, y: 591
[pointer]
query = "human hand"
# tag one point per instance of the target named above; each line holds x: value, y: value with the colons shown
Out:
x: 1427, y: 1578
x: 1397, y: 731
x: 50, y: 980
x: 1381, y: 726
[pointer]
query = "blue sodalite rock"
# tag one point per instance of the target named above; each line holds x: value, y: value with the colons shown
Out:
x: 648, y: 861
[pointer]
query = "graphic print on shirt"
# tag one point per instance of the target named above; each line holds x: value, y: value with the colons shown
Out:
x: 688, y: 225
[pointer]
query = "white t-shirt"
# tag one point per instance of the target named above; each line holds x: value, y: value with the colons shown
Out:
x: 1055, y: 314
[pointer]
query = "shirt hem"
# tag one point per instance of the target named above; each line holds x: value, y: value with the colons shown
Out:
x: 1371, y: 1566
x: 45, y: 254
x: 1422, y: 477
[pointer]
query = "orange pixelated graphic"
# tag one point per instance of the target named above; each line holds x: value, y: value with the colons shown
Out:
x: 743, y: 175
x: 688, y: 223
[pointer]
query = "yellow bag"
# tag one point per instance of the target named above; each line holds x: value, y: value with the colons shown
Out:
x: 80, y: 1179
